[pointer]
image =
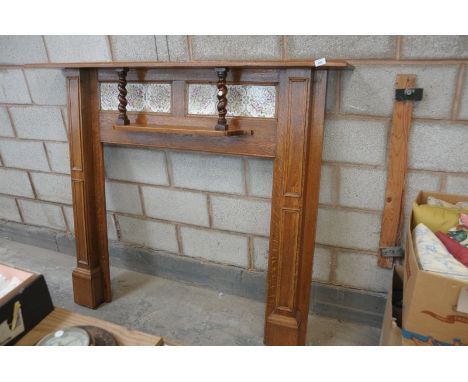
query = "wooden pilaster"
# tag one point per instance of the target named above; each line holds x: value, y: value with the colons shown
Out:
x: 296, y: 180
x: 91, y: 280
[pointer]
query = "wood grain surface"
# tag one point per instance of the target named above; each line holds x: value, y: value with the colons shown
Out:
x: 61, y: 318
x: 397, y: 169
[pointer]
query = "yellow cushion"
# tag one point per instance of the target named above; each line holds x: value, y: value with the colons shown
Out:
x: 435, y: 217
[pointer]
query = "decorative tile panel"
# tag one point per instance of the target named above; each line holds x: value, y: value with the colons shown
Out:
x: 243, y: 100
x: 141, y: 97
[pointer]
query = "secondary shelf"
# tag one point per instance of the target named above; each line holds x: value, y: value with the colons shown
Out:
x: 182, y: 130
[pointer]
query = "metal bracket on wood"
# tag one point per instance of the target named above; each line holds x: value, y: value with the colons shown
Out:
x: 410, y: 94
x: 405, y: 90
x: 392, y: 252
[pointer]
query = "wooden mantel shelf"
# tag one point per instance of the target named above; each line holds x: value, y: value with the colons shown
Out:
x: 331, y: 64
x: 182, y: 130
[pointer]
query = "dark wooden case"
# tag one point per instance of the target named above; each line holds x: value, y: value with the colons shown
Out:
x: 35, y: 303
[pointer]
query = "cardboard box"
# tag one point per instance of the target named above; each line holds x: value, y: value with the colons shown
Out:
x: 24, y: 306
x: 435, y: 307
x: 391, y: 327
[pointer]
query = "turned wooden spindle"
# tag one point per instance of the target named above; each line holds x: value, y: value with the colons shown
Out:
x: 222, y: 99
x: 122, y: 119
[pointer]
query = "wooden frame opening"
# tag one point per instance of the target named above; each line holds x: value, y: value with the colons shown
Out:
x: 293, y: 139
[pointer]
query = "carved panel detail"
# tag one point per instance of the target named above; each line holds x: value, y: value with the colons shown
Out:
x: 295, y: 135
x: 79, y: 212
x: 288, y: 257
x: 76, y: 160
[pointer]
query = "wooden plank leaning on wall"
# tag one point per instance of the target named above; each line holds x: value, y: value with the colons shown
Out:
x: 396, y: 172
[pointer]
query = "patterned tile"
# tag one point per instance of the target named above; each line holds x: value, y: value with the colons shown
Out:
x: 141, y: 97
x: 158, y: 97
x: 243, y: 100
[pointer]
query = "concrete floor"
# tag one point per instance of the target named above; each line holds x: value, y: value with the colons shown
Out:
x: 189, y: 314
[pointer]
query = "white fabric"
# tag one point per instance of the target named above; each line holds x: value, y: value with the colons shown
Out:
x: 434, y: 257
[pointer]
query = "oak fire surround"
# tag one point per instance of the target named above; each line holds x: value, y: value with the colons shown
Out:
x: 293, y: 138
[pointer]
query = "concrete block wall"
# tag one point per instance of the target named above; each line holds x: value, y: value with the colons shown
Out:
x: 217, y: 208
